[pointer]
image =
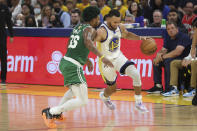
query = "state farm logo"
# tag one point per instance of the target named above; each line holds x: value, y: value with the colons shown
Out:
x: 53, y: 66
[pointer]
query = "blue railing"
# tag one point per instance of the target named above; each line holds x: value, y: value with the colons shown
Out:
x: 62, y: 32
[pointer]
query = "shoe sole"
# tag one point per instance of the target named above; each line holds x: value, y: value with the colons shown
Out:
x: 156, y: 92
x: 49, y: 124
x: 170, y: 95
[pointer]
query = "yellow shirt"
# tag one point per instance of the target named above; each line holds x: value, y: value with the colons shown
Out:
x: 122, y: 11
x: 105, y: 10
x: 64, y: 8
x: 81, y: 6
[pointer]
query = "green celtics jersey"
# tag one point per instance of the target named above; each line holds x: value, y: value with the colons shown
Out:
x: 76, y: 46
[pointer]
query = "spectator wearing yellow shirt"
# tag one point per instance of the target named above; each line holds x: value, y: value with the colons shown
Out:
x: 104, y: 9
x: 69, y: 6
x: 83, y: 5
x: 122, y: 9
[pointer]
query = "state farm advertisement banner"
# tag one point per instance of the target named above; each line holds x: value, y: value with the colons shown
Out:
x: 35, y: 60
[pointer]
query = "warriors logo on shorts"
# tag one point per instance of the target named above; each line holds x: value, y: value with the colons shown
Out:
x: 114, y: 44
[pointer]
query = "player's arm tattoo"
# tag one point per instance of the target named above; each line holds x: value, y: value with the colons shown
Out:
x: 89, y: 36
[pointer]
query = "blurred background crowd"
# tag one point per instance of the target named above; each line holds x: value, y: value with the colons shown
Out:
x: 66, y: 13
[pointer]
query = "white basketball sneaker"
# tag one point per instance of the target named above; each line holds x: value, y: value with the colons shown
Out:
x: 107, y: 101
x: 141, y: 108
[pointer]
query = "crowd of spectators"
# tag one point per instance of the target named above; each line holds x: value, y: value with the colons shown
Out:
x: 63, y: 13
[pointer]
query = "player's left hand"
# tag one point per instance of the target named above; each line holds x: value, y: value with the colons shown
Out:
x: 90, y: 65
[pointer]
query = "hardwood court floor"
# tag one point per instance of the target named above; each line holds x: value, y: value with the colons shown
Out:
x: 21, y: 105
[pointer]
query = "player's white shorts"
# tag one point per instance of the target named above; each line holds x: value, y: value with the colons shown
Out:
x: 109, y: 74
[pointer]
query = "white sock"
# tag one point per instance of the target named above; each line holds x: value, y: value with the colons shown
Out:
x: 138, y: 99
x: 158, y: 85
x: 81, y: 93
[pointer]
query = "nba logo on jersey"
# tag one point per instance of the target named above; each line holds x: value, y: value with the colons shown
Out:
x: 114, y: 44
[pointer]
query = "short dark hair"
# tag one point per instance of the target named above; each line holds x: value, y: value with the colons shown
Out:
x: 76, y: 10
x: 114, y: 12
x: 173, y: 10
x: 90, y: 13
x: 172, y: 22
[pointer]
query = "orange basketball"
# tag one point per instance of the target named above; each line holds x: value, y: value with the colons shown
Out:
x: 148, y: 46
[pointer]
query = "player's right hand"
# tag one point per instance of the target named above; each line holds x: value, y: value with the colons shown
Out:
x: 107, y: 62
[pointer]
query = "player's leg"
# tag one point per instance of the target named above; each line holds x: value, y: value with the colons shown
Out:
x: 109, y: 76
x: 128, y: 68
x: 81, y: 99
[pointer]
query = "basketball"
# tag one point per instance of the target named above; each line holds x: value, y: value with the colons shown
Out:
x: 148, y: 46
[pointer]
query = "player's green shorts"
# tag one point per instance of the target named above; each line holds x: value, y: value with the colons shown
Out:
x: 72, y: 73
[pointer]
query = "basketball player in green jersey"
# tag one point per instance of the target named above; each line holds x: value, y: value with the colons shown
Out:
x: 80, y: 43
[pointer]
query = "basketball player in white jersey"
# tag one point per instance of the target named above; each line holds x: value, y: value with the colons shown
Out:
x: 108, y: 42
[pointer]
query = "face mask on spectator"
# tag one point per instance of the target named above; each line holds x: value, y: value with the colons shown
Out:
x: 118, y: 3
x: 19, y: 22
x: 57, y: 10
x: 37, y: 10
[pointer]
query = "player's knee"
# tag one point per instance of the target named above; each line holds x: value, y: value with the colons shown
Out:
x: 132, y: 72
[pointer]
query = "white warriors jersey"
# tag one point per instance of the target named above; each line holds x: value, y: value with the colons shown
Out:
x: 110, y: 47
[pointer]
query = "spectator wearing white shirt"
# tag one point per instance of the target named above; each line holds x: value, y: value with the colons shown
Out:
x: 15, y: 9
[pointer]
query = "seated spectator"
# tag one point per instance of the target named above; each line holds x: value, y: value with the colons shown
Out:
x: 160, y: 5
x: 157, y: 19
x: 146, y: 10
x: 46, y: 14
x: 129, y: 19
x: 94, y: 3
x: 173, y: 15
x: 15, y: 9
x: 63, y: 17
x: 191, y: 59
x: 54, y: 22
x: 189, y: 15
x: 135, y: 10
x: 38, y: 17
x: 83, y: 5
x: 43, y: 3
x: 176, y: 46
x: 104, y: 9
x: 63, y: 6
x: 25, y: 10
x: 122, y: 9
x: 69, y: 5
x: 75, y: 18
x: 20, y: 21
x: 28, y: 2
x: 30, y: 21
